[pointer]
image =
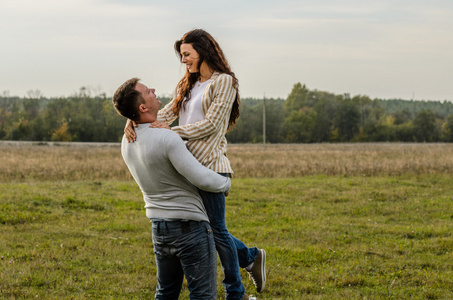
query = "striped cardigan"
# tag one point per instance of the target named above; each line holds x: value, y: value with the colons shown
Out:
x: 206, y: 138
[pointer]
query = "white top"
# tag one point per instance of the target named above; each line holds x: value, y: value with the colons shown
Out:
x: 193, y: 112
x: 168, y: 175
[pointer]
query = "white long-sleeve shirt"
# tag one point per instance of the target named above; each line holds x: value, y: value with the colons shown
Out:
x: 168, y: 175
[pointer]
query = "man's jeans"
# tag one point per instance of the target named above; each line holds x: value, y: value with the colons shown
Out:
x: 185, y: 248
x: 232, y: 252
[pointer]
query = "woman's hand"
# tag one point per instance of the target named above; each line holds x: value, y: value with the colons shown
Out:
x: 129, y: 131
x: 159, y: 124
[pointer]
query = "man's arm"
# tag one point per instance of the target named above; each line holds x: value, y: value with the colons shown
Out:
x: 189, y: 167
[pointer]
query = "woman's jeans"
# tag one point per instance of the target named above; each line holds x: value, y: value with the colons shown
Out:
x: 185, y: 248
x: 233, y: 253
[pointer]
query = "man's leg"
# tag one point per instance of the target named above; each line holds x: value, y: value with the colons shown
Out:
x: 170, y: 274
x: 199, y: 260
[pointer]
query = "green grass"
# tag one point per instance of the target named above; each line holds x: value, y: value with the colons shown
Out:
x: 326, y: 237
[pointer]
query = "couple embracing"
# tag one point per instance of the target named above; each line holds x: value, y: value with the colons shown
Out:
x: 184, y: 173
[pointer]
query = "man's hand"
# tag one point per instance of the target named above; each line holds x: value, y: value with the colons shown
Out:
x: 159, y: 124
x: 129, y: 131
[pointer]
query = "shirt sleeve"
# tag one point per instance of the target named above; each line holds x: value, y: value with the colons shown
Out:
x: 218, y: 111
x: 166, y: 114
x: 189, y: 167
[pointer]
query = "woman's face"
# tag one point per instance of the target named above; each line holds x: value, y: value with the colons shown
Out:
x: 190, y: 57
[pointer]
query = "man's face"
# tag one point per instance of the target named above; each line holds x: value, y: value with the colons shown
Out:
x: 152, y: 103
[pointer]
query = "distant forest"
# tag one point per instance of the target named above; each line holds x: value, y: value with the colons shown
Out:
x: 306, y: 116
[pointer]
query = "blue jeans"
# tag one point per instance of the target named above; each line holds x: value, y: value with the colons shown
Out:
x: 233, y: 253
x: 185, y: 248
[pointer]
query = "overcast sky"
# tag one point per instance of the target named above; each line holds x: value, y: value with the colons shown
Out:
x: 384, y: 49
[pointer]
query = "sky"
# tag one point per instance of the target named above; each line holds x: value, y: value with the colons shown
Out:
x: 383, y: 49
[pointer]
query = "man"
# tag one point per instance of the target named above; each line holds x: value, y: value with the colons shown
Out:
x: 168, y: 176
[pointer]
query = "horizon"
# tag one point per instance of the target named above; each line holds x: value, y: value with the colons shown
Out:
x: 5, y: 94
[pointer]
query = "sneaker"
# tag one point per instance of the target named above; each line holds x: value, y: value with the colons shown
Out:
x: 247, y: 297
x: 258, y: 271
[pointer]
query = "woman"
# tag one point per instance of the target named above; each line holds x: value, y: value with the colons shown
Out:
x: 207, y: 105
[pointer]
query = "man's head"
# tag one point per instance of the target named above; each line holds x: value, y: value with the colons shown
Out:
x: 135, y: 101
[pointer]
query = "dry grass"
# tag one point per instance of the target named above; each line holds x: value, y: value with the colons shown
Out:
x: 61, y: 161
x: 72, y: 161
x: 369, y: 159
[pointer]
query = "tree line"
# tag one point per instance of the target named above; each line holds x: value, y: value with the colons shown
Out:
x: 306, y: 116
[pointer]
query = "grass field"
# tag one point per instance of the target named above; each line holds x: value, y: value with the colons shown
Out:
x: 365, y: 221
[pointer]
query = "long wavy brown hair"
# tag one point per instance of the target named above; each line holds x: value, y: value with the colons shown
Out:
x: 211, y: 53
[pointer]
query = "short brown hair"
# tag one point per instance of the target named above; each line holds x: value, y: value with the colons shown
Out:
x: 126, y: 100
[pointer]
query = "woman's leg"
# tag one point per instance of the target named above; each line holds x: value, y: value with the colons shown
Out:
x: 246, y: 255
x: 225, y: 244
